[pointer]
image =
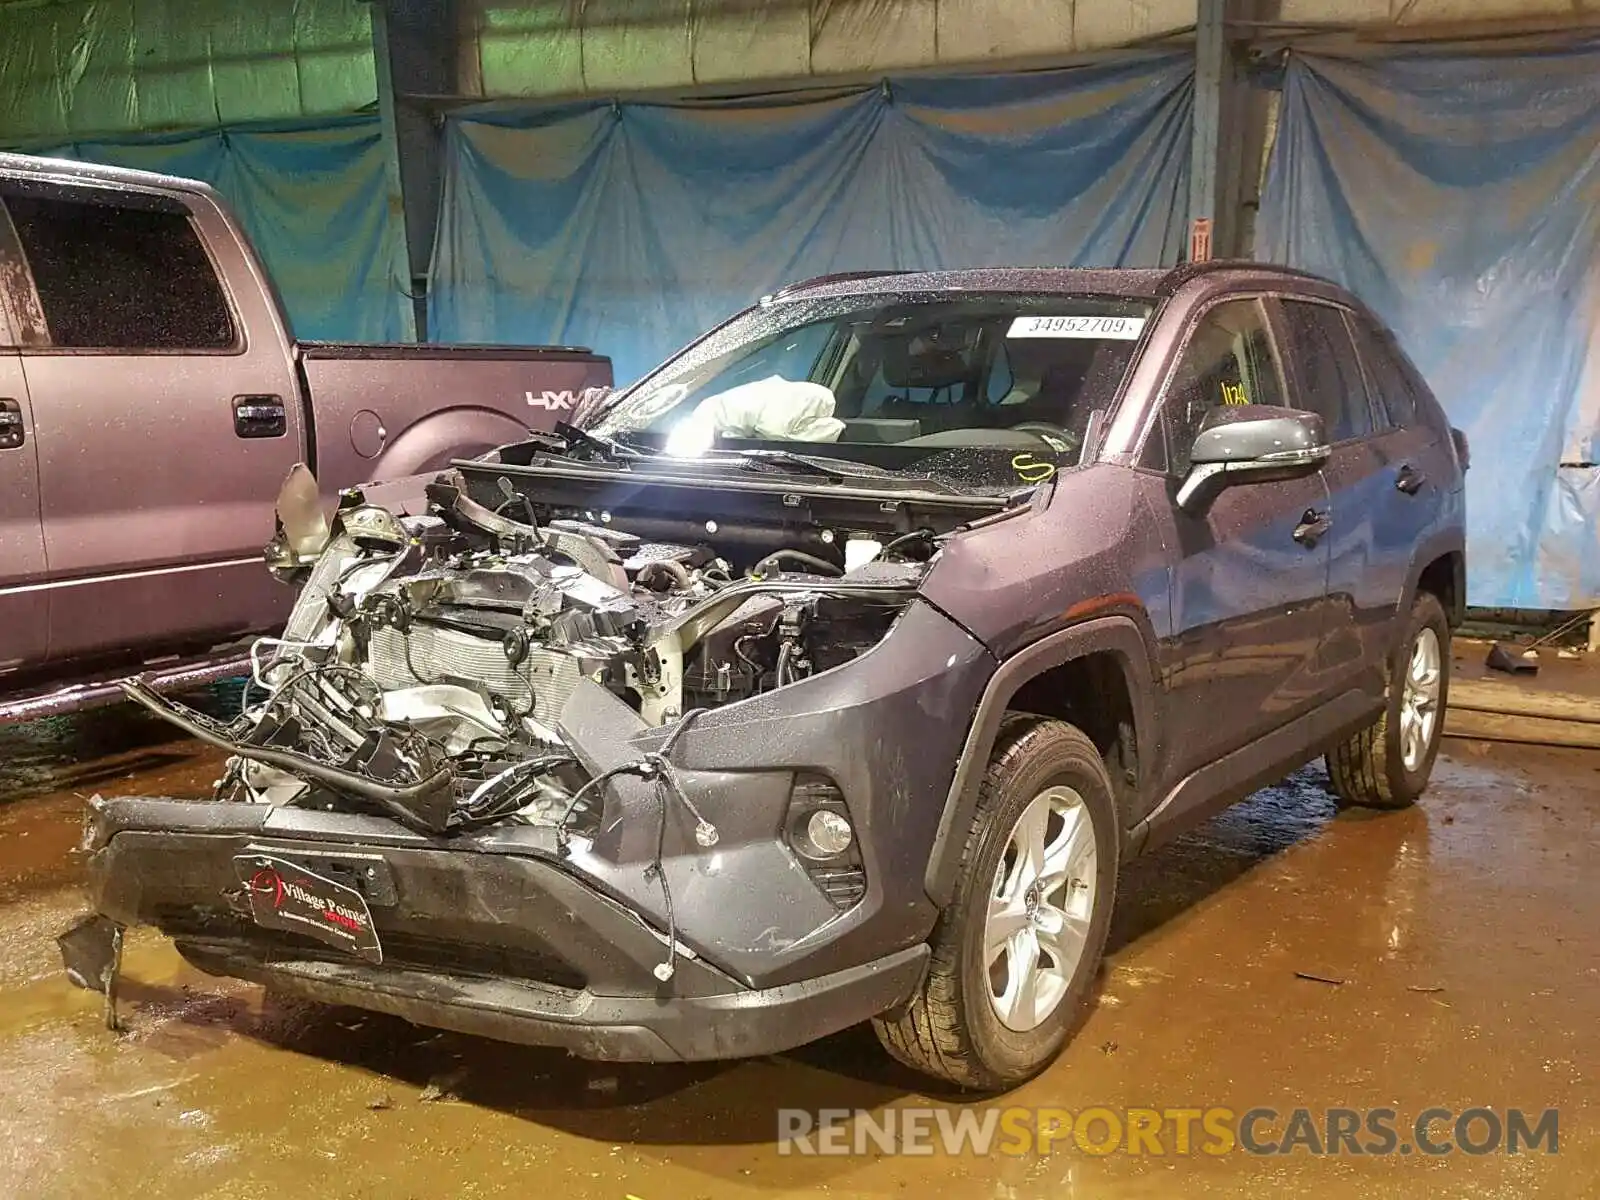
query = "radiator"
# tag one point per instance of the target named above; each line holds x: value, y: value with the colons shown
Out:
x: 545, y: 676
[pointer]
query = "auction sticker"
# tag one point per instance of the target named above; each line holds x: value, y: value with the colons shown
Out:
x: 1124, y: 329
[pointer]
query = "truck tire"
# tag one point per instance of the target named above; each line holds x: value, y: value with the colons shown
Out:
x: 1387, y: 764
x: 1013, y: 958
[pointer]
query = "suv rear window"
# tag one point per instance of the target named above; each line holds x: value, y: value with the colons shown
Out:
x: 1326, y: 367
x: 1386, y: 369
x: 120, y: 278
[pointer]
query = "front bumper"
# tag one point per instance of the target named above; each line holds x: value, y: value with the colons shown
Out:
x: 497, y: 944
x: 638, y: 1028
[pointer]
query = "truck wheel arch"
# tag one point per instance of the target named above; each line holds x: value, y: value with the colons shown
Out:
x: 1118, y: 638
x: 432, y: 442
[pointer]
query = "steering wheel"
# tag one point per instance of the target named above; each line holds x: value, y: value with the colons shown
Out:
x: 1060, y: 440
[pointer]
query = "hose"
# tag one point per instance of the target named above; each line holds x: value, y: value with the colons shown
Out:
x: 905, y: 539
x: 679, y: 573
x: 799, y: 556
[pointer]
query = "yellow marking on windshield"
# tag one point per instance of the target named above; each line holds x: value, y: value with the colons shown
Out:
x: 1030, y: 470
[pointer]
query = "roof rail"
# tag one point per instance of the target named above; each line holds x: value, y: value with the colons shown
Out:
x: 1184, y: 272
x: 805, y: 285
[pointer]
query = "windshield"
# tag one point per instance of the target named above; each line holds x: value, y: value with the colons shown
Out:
x: 967, y: 386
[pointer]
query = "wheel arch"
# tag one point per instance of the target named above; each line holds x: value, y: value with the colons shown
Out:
x: 1446, y: 577
x: 430, y: 443
x: 1056, y: 668
x: 1440, y: 567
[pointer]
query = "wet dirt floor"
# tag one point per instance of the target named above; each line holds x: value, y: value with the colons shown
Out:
x: 1453, y: 952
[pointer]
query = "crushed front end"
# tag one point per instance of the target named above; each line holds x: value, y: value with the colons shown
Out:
x: 515, y: 770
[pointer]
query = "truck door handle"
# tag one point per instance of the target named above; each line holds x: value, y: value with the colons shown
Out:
x: 1409, y: 480
x: 12, y: 433
x: 259, y: 417
x: 1313, y: 525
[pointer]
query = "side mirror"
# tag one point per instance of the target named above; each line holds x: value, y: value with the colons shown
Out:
x: 1251, y: 444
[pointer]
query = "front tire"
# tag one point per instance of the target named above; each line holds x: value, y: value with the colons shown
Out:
x: 1387, y: 764
x: 1015, y: 952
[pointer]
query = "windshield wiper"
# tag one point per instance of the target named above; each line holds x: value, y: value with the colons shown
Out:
x: 597, y: 444
x: 801, y: 462
x: 848, y: 471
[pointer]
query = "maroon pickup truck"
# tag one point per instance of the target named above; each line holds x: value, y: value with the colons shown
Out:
x: 152, y: 403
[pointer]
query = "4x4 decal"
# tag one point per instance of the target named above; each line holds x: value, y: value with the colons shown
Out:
x: 553, y: 401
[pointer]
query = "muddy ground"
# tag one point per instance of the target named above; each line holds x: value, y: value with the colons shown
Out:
x: 1453, y: 950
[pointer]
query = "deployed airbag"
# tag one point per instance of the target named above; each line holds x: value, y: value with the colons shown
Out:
x: 774, y: 409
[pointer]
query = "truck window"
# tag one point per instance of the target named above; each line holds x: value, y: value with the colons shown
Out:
x: 1326, y: 367
x: 1228, y: 360
x: 115, y: 278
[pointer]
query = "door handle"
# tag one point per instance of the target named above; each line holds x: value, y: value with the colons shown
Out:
x: 259, y: 417
x: 1313, y: 525
x: 1409, y: 480
x: 12, y: 431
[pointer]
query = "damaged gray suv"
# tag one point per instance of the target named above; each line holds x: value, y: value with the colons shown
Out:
x: 825, y: 675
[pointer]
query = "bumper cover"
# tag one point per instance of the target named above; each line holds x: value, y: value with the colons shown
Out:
x: 498, y: 944
x: 734, y: 1024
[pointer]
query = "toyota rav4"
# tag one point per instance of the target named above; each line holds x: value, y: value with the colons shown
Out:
x: 826, y: 674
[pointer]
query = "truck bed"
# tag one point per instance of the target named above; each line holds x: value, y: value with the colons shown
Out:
x: 452, y: 353
x: 383, y: 411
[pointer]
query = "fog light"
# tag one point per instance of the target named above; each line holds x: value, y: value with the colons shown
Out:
x: 829, y: 832
x: 819, y: 832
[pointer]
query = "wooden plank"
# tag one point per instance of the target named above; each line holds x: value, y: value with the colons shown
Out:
x: 1483, y: 696
x: 1510, y: 727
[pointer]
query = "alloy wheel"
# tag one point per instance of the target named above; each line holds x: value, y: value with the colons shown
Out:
x: 1419, y: 700
x: 1039, y: 909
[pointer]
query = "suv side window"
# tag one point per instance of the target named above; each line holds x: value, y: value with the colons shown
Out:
x: 1386, y: 368
x: 115, y: 277
x: 1327, y: 370
x: 1229, y: 360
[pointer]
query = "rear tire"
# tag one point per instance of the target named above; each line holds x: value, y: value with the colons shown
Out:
x: 1016, y: 950
x: 1387, y: 764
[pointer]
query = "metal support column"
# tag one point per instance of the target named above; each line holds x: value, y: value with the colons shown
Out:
x: 1211, y: 73
x: 414, y: 47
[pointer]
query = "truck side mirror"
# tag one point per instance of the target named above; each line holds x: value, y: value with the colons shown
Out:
x: 1251, y: 444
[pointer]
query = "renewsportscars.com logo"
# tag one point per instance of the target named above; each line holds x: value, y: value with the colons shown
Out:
x: 1166, y: 1131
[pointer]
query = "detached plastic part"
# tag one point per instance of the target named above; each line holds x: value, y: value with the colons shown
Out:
x: 1505, y: 656
x: 91, y: 951
x: 300, y: 516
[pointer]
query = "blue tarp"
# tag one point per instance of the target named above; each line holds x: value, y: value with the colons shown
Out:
x: 313, y: 198
x: 1459, y: 194
x: 632, y: 227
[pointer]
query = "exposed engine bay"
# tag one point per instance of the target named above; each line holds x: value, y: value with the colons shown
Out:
x: 427, y: 661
